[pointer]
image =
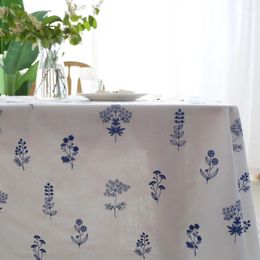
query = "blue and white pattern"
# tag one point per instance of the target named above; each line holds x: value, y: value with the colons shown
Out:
x: 233, y: 214
x: 48, y: 201
x: 81, y: 236
x: 212, y: 162
x: 37, y: 247
x: 194, y: 238
x: 116, y: 115
x: 237, y: 132
x: 156, y: 185
x: 3, y: 199
x: 143, y: 245
x: 70, y: 150
x: 244, y: 182
x: 178, y: 132
x: 21, y: 154
x: 113, y: 189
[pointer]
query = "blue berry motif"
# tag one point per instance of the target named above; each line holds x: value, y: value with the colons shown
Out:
x: 21, y: 154
x: 117, y: 115
x: 244, y: 182
x: 237, y: 132
x: 143, y: 245
x: 156, y: 185
x: 70, y: 150
x: 37, y: 247
x: 234, y: 214
x: 178, y: 131
x: 211, y: 171
x: 194, y: 238
x: 48, y: 201
x: 113, y: 189
x: 81, y: 237
x: 3, y: 199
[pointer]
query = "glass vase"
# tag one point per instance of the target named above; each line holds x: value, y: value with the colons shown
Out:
x: 51, y: 81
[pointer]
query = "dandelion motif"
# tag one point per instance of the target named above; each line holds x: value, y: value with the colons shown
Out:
x: 21, y: 154
x: 211, y: 161
x: 113, y: 189
x: 37, y: 247
x: 81, y: 237
x: 117, y: 115
x: 237, y: 132
x: 143, y: 245
x: 244, y: 182
x: 156, y: 185
x: 194, y: 238
x: 3, y: 199
x: 48, y: 201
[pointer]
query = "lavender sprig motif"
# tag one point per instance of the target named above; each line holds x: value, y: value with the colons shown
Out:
x: 21, y: 154
x: 178, y: 132
x: 81, y: 229
x: 143, y: 245
x: 69, y: 149
x: 211, y: 161
x: 113, y: 189
x: 244, y: 182
x: 37, y: 247
x: 234, y: 214
x: 194, y: 237
x: 48, y: 201
x: 156, y: 185
x: 3, y: 199
x: 236, y: 131
x: 117, y: 115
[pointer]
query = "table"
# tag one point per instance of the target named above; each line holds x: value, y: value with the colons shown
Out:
x: 133, y: 180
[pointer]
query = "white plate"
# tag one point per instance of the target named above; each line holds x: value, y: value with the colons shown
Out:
x: 113, y: 96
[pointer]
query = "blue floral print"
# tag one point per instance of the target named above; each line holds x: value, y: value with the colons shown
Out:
x: 234, y: 214
x: 244, y: 182
x: 236, y: 131
x: 156, y: 185
x: 3, y: 199
x: 21, y: 154
x: 113, y: 189
x: 211, y: 161
x: 194, y: 238
x: 81, y: 237
x: 178, y: 132
x: 117, y: 115
x: 70, y: 150
x: 37, y: 247
x: 143, y: 245
x: 48, y: 201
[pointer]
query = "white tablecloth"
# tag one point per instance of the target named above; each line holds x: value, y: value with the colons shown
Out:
x: 134, y: 180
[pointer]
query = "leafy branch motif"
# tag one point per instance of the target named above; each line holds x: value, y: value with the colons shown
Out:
x: 48, y: 201
x: 81, y: 238
x: 21, y: 154
x: 3, y: 199
x: 143, y: 246
x: 113, y: 189
x: 244, y: 182
x: 234, y: 214
x: 37, y: 247
x: 194, y: 237
x: 117, y: 115
x: 69, y: 149
x: 211, y: 161
x: 237, y: 132
x: 156, y: 185
x: 178, y: 132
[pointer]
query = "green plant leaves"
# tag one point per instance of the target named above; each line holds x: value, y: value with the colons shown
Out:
x: 51, y: 19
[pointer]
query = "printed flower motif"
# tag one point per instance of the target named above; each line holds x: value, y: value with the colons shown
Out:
x: 194, y: 237
x: 143, y: 245
x: 116, y: 115
x: 244, y: 182
x: 178, y: 132
x: 113, y: 189
x: 234, y: 214
x: 37, y: 247
x: 21, y: 154
x: 48, y: 201
x: 211, y: 161
x: 156, y: 185
x: 3, y: 198
x: 236, y: 131
x: 81, y: 238
x: 69, y: 149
